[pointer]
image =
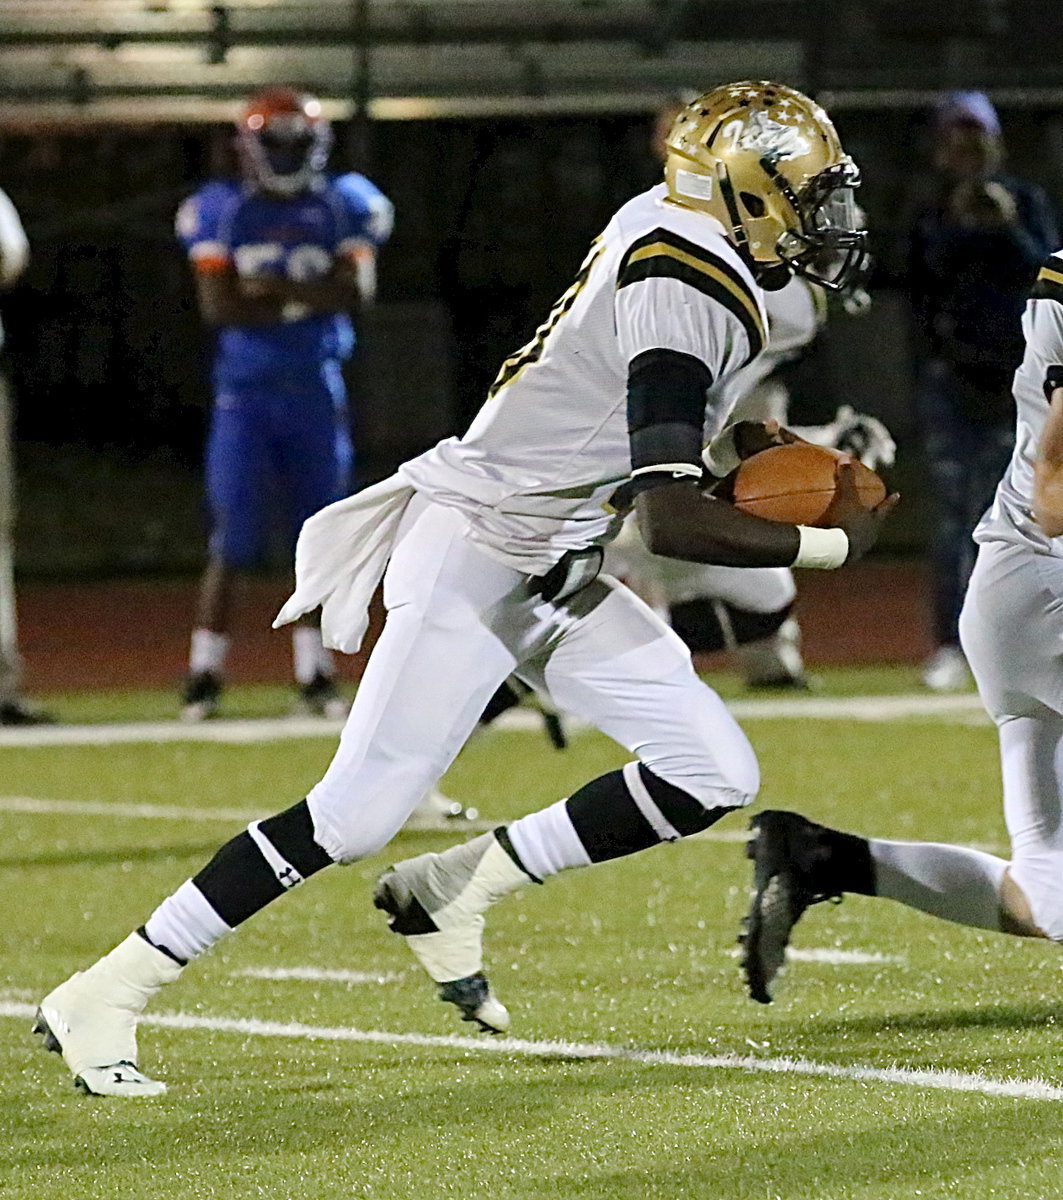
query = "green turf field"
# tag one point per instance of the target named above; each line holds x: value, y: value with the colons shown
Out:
x: 662, y: 1088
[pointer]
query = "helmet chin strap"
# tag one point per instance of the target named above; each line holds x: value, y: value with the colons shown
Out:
x: 738, y: 230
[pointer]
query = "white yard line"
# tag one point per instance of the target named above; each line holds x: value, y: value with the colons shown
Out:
x: 320, y: 975
x: 950, y: 1081
x: 965, y: 709
x: 841, y: 958
x: 833, y: 957
x: 144, y: 812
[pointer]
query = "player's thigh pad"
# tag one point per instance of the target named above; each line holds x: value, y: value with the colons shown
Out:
x: 621, y: 668
x: 1011, y: 629
x: 453, y: 617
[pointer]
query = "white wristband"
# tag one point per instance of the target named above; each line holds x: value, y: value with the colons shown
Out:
x: 822, y: 549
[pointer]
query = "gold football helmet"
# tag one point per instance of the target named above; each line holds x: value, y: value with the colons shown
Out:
x: 766, y: 162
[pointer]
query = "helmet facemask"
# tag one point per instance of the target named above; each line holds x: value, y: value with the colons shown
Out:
x: 829, y: 248
x: 285, y: 152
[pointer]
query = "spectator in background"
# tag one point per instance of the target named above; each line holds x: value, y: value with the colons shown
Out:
x: 280, y: 257
x: 975, y: 240
x: 14, y: 255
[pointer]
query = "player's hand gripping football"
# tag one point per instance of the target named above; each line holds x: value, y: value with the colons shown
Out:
x: 750, y: 437
x: 735, y: 444
x: 846, y: 512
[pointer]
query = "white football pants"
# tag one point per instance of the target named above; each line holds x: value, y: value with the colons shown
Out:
x: 1011, y: 629
x: 458, y: 623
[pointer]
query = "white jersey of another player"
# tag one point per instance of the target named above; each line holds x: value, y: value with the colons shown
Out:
x: 537, y: 469
x: 1009, y: 518
x: 796, y: 313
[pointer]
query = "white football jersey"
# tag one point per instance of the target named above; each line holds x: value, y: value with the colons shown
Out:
x: 1010, y: 518
x: 536, y: 470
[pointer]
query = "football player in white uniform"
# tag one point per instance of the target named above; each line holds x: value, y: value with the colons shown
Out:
x: 1011, y: 629
x: 730, y: 608
x: 490, y: 547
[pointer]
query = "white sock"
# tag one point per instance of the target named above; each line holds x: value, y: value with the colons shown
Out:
x: 950, y: 882
x: 546, y: 842
x: 309, y: 656
x: 185, y: 924
x: 208, y: 651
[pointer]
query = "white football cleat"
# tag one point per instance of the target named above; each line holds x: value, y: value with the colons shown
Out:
x: 946, y: 670
x: 437, y: 902
x: 775, y: 661
x: 91, y: 1019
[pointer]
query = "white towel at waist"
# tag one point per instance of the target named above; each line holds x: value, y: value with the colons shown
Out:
x: 341, y: 556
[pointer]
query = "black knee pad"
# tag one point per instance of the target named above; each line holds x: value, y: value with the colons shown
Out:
x: 709, y: 625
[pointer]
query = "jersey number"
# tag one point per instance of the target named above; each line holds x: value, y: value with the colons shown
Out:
x: 303, y: 263
x: 533, y: 351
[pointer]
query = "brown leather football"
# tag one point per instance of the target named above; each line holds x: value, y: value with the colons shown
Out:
x: 795, y: 484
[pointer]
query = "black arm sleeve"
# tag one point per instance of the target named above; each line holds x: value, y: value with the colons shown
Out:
x: 666, y: 416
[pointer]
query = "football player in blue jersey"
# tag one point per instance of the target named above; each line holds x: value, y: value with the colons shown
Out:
x: 280, y: 255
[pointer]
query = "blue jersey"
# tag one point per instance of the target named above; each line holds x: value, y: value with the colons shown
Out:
x: 227, y: 227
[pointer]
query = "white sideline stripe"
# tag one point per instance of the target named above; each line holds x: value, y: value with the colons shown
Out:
x: 950, y: 1081
x: 323, y: 974
x: 965, y: 708
x: 904, y: 707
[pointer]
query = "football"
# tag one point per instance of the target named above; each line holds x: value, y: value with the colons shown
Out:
x: 796, y: 483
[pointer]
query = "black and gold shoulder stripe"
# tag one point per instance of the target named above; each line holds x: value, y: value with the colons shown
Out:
x: 1049, y: 282
x: 662, y: 254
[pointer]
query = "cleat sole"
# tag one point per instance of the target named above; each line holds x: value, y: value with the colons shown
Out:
x: 406, y: 915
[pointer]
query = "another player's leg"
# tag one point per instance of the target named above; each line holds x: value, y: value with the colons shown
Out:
x: 210, y: 642
x: 315, y: 673
x: 238, y: 496
x: 1008, y: 618
x: 798, y: 863
x: 314, y: 458
x: 623, y: 669
x: 747, y: 611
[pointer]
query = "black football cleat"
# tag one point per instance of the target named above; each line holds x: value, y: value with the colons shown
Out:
x: 797, y: 863
x: 201, y: 695
x: 320, y: 698
x: 17, y: 712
